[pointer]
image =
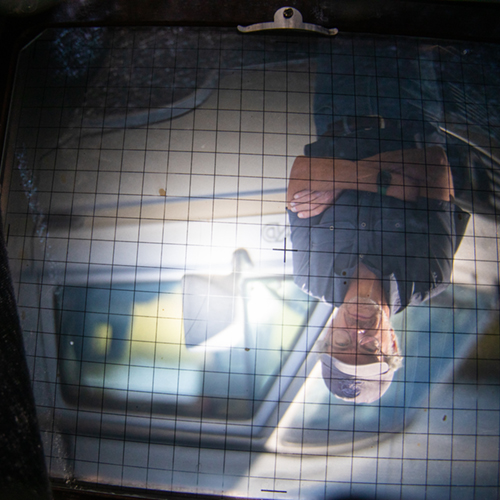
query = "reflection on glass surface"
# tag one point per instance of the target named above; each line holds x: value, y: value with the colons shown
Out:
x: 123, y: 344
x: 162, y: 282
x: 434, y: 340
x: 375, y: 223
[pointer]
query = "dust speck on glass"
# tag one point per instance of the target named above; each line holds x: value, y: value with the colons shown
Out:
x: 259, y: 265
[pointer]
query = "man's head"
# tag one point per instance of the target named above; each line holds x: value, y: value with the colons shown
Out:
x: 361, y: 352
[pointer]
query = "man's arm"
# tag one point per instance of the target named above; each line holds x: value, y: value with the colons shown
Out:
x: 315, y: 183
x: 329, y: 175
x: 416, y: 173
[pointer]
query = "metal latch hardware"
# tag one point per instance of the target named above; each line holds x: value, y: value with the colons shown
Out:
x: 288, y: 18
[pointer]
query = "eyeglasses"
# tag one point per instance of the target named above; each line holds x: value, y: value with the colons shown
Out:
x: 363, y: 322
x: 357, y: 328
x: 342, y: 340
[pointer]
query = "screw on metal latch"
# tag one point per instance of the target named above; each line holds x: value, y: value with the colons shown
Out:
x: 288, y: 13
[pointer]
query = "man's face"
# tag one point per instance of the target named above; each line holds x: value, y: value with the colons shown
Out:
x: 360, y: 333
